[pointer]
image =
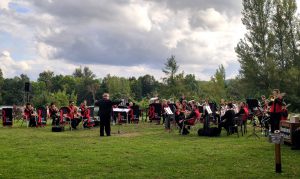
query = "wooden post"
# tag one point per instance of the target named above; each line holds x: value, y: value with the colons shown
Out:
x: 278, y: 138
x: 277, y: 158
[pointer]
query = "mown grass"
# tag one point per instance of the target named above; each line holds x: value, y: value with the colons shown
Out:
x: 140, y: 151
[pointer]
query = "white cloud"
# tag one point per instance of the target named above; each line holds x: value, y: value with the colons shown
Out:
x: 4, y: 4
x: 10, y: 67
x: 125, y: 38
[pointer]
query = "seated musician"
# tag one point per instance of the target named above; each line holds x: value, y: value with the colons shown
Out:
x: 164, y: 104
x: 53, y: 113
x: 178, y: 113
x: 228, y: 118
x: 30, y: 115
x: 243, y: 111
x: 190, y: 119
x: 73, y: 115
x: 84, y: 113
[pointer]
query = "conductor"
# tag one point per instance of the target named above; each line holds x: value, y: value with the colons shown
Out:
x: 105, y: 111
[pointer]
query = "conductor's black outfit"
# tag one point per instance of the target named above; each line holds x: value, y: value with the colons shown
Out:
x: 105, y: 110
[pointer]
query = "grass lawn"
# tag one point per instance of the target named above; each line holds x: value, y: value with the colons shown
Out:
x: 140, y: 151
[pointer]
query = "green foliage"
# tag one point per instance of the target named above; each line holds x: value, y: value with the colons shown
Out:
x: 61, y: 98
x: 12, y: 91
x: 269, y: 55
x: 118, y: 87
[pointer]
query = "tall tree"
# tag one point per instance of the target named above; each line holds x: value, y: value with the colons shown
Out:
x: 255, y: 50
x: 170, y: 70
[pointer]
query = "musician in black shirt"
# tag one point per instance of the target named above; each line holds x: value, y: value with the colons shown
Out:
x: 105, y: 111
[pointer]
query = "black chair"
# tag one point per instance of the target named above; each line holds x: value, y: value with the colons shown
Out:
x: 41, y: 117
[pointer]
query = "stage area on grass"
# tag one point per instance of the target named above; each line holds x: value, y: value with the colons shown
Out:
x: 140, y: 151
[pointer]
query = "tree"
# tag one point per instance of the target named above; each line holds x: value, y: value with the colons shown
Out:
x: 269, y: 53
x: 255, y: 50
x: 215, y: 89
x: 13, y: 90
x: 46, y: 77
x: 170, y: 69
x: 93, y: 88
x: 149, y: 85
x: 83, y: 73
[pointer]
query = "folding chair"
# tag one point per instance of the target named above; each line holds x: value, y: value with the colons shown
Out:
x: 135, y: 114
x: 155, y: 112
x: 64, y: 119
x: 42, y: 117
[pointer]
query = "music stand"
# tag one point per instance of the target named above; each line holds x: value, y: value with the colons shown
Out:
x: 121, y: 110
x: 253, y: 103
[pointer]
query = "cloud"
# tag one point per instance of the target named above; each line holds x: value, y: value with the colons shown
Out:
x: 10, y: 67
x: 126, y: 37
x: 4, y: 4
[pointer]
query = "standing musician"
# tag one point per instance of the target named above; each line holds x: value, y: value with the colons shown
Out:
x: 30, y: 115
x: 275, y: 109
x: 53, y: 113
x: 105, y: 111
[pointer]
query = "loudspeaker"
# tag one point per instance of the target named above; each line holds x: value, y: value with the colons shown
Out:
x: 7, y: 116
x: 27, y: 87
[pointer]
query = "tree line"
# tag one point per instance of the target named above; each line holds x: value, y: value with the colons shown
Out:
x: 83, y: 85
x: 268, y: 55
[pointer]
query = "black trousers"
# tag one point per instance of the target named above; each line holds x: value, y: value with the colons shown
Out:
x: 275, y: 121
x: 32, y: 122
x: 105, y: 125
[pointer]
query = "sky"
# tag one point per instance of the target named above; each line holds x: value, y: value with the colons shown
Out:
x: 119, y: 37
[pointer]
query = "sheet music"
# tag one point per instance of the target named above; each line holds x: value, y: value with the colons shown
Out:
x: 121, y: 110
x: 208, y: 109
x: 168, y: 110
